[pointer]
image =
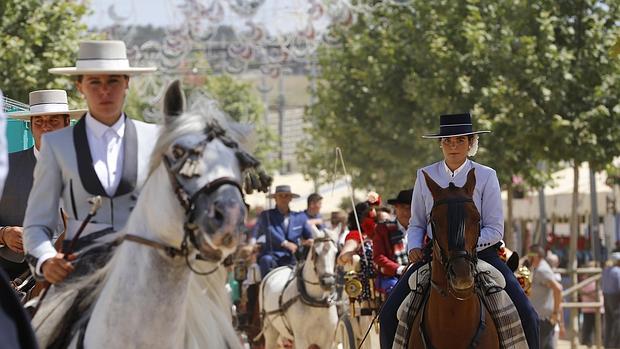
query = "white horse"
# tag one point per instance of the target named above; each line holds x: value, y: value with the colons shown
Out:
x: 296, y: 304
x: 151, y: 294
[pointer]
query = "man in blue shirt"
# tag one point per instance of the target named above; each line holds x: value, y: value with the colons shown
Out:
x: 281, y: 231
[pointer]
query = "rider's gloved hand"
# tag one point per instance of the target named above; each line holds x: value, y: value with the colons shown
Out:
x: 56, y: 269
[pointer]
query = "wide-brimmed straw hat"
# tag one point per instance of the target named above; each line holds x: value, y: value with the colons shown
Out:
x: 283, y: 189
x: 452, y: 125
x: 102, y: 57
x: 48, y: 102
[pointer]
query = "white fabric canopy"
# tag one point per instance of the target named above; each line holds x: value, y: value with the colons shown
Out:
x: 558, y: 196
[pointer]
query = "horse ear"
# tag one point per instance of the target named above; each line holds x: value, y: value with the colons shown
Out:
x: 470, y: 185
x: 333, y: 233
x: 174, y: 101
x: 316, y: 232
x: 432, y: 185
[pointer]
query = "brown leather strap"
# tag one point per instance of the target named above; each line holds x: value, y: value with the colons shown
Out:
x: 171, y: 251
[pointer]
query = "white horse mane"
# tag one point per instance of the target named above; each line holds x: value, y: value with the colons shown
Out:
x: 202, y: 110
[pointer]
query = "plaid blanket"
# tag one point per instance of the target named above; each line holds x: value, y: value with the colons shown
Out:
x: 490, y: 288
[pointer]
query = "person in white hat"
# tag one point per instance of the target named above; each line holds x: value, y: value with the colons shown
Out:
x: 106, y: 153
x: 49, y: 111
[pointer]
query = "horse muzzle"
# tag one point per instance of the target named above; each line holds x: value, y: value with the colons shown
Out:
x: 220, y: 221
x: 461, y: 274
x: 327, y: 282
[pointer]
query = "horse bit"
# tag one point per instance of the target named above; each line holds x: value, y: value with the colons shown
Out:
x: 185, y: 164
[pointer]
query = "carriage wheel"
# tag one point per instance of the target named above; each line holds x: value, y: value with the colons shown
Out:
x: 345, y: 338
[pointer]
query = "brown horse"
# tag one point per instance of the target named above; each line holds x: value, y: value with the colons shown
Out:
x: 453, y: 315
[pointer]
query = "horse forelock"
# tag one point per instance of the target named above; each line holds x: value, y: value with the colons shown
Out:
x: 203, y: 114
x: 456, y: 225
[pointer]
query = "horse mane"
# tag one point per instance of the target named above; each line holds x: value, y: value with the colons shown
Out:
x: 202, y: 111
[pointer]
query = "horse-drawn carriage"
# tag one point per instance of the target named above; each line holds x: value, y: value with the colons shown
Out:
x: 359, y: 304
x: 343, y: 303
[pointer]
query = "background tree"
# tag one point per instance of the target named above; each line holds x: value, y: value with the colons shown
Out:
x: 365, y: 107
x: 240, y: 102
x: 235, y: 97
x: 35, y: 36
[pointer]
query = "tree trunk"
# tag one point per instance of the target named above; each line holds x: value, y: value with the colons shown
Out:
x: 572, y: 256
x: 509, y: 237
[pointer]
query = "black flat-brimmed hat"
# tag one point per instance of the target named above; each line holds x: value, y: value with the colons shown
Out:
x: 403, y: 197
x: 283, y: 189
x: 452, y: 125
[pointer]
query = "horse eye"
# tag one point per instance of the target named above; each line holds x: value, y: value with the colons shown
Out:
x: 178, y: 152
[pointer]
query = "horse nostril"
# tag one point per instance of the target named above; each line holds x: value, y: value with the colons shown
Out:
x: 219, y: 216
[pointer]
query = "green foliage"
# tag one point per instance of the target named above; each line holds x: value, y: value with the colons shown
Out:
x: 35, y: 36
x: 364, y: 107
x: 238, y: 100
x: 538, y: 74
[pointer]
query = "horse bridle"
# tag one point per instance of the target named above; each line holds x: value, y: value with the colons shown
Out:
x: 186, y: 164
x: 447, y: 259
x: 312, y: 252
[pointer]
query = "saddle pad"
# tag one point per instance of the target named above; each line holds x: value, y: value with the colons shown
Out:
x: 490, y: 287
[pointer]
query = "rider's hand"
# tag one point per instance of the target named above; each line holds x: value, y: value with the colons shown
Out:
x: 346, y: 258
x: 415, y: 255
x: 12, y: 237
x: 290, y: 246
x: 56, y: 269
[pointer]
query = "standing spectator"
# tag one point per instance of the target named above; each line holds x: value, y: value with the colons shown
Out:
x: 559, y: 329
x: 610, y: 283
x: 313, y: 211
x: 588, y: 294
x: 546, y: 296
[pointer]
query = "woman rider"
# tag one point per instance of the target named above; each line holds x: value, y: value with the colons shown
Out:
x: 457, y: 141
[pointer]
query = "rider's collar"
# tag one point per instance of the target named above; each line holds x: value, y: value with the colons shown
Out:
x: 457, y: 171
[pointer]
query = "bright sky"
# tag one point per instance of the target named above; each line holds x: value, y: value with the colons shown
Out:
x: 278, y: 15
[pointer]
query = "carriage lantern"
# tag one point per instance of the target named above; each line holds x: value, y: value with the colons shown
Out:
x: 240, y: 270
x: 523, y: 276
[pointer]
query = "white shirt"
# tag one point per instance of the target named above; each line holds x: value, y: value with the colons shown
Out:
x: 402, y: 228
x: 36, y: 153
x: 106, y: 149
x: 453, y: 174
x: 487, y: 198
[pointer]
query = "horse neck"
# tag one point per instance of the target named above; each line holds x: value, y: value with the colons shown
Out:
x: 162, y: 222
x: 136, y: 316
